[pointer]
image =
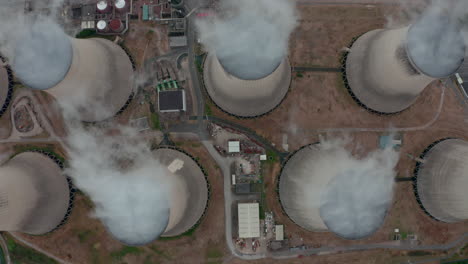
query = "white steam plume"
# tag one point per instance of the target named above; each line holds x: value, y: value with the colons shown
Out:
x: 355, y: 200
x: 250, y: 38
x: 435, y: 40
x: 128, y: 186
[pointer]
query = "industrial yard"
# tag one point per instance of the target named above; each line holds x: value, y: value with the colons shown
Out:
x: 171, y: 107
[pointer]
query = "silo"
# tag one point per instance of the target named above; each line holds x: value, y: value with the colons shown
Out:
x: 189, y: 195
x: 441, y: 181
x: 387, y: 69
x: 246, y: 96
x: 34, y: 194
x: 91, y: 76
x: 315, y: 187
x: 6, y: 86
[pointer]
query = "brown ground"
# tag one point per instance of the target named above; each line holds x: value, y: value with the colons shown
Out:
x: 84, y: 239
x: 316, y: 101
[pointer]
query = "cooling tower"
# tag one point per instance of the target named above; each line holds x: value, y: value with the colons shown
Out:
x: 442, y: 181
x: 386, y: 70
x: 6, y: 87
x: 34, y: 194
x: 91, y: 76
x: 311, y: 188
x: 189, y: 195
x: 246, y: 97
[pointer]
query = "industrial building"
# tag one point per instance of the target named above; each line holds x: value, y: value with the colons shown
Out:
x: 249, y: 220
x: 190, y: 194
x: 301, y: 193
x: 6, y: 86
x: 92, y: 76
x: 245, y: 97
x: 34, y: 194
x: 172, y: 101
x: 387, y: 69
x: 441, y: 180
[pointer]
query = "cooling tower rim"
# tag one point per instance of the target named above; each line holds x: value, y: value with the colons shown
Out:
x: 408, y: 42
x: 208, y: 187
x: 263, y: 76
x: 417, y: 169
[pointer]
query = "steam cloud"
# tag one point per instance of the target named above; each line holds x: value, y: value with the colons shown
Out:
x: 435, y: 42
x: 251, y: 38
x: 37, y: 48
x: 354, y: 202
x: 128, y: 186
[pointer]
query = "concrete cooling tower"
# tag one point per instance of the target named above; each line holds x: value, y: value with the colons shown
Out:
x: 6, y: 86
x: 242, y: 95
x: 34, y: 194
x: 386, y: 70
x: 442, y: 181
x: 189, y: 196
x: 311, y: 195
x: 91, y: 76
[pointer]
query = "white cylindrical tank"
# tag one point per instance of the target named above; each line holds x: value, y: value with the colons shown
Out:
x: 93, y: 77
x: 103, y: 6
x: 442, y: 181
x: 34, y: 194
x: 121, y: 5
x: 243, y: 97
x: 388, y: 69
x: 101, y: 26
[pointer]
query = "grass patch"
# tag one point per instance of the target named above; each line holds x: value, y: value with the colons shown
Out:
x: 299, y: 75
x: 214, y: 253
x: 23, y: 255
x: 126, y: 250
x: 272, y: 157
x: 161, y: 253
x: 208, y: 110
x: 83, y: 236
x: 154, y: 118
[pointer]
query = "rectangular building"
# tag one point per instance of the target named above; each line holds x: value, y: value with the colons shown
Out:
x: 171, y: 101
x: 279, y: 232
x: 233, y: 146
x: 249, y: 220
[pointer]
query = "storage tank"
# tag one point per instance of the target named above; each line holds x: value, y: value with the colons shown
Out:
x: 121, y: 5
x: 94, y: 76
x: 103, y: 6
x: 387, y: 69
x: 318, y: 190
x: 190, y: 192
x: 246, y: 96
x: 116, y: 25
x: 34, y: 194
x: 6, y: 86
x: 101, y: 26
x: 441, y: 181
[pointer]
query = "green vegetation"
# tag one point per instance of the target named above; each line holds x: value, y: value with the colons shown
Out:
x: 208, y: 110
x: 463, y: 261
x: 419, y: 253
x: 84, y: 235
x: 23, y: 255
x: 214, y: 252
x: 299, y: 75
x: 161, y: 253
x: 199, y: 63
x: 126, y: 250
x: 272, y: 157
x: 48, y: 149
x: 154, y: 118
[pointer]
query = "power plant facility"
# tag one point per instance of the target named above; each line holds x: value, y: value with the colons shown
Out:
x: 246, y: 96
x: 34, y: 194
x: 318, y: 196
x: 387, y: 69
x: 441, y: 180
x: 6, y: 86
x: 93, y: 77
x: 189, y: 196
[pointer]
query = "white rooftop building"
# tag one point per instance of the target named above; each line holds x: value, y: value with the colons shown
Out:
x: 234, y: 146
x: 249, y: 220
